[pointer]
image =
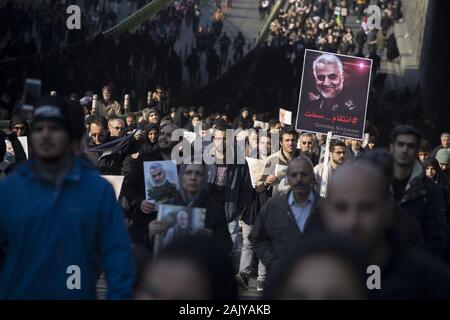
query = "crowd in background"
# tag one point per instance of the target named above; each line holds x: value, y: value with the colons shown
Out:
x: 135, y: 62
x: 405, y: 207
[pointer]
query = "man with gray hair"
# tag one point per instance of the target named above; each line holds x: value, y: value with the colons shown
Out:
x: 329, y: 81
x: 116, y: 127
x: 445, y: 144
x: 284, y: 219
x: 161, y: 188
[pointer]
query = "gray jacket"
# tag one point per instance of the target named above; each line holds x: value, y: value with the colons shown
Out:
x: 275, y: 230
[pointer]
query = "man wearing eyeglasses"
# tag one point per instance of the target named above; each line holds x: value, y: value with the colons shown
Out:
x: 416, y: 193
x: 116, y: 127
x: 108, y: 163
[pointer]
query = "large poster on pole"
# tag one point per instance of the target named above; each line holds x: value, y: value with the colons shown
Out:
x: 334, y: 94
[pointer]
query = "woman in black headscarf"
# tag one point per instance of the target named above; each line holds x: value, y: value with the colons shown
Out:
x: 243, y: 120
x: 181, y: 117
x: 151, y: 133
x: 151, y: 138
x: 433, y: 171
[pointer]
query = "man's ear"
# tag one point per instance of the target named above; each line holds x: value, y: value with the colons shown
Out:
x: 391, y: 147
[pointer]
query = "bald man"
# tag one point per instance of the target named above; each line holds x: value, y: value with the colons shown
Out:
x: 284, y: 219
x: 358, y: 205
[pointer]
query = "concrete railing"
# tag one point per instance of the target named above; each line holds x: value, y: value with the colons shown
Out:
x: 136, y: 18
x: 264, y: 32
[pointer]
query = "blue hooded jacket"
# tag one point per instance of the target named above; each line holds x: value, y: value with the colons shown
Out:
x: 45, y: 231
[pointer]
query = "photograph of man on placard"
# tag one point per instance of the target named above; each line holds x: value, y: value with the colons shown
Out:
x: 161, y: 180
x: 178, y: 221
x: 334, y: 93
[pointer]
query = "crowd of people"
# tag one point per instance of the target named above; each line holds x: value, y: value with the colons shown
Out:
x: 384, y: 207
x: 32, y: 27
x: 308, y: 227
x: 134, y: 62
x: 321, y: 25
x: 271, y: 75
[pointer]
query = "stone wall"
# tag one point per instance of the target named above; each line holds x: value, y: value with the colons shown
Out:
x: 427, y: 22
x: 415, y: 16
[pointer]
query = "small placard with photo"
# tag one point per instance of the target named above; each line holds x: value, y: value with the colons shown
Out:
x: 178, y: 221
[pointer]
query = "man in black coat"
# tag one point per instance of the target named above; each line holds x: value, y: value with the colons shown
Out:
x: 227, y: 181
x: 416, y: 193
x: 106, y: 152
x: 358, y: 206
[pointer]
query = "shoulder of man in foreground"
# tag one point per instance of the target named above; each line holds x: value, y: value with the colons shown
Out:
x: 279, y: 200
x: 435, y: 276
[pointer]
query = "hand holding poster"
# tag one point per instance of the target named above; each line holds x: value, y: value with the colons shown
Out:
x: 282, y: 188
x: 189, y: 136
x: 334, y: 94
x: 161, y: 180
x: 261, y: 124
x: 116, y: 182
x: 256, y: 167
x: 365, y: 141
x: 285, y: 117
x: 24, y: 143
x: 178, y: 221
x: 280, y: 171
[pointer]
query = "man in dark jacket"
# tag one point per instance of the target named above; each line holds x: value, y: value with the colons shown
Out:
x: 358, y: 206
x: 416, y: 193
x: 284, y: 219
x: 224, y: 43
x: 361, y: 39
x: 106, y: 152
x: 213, y: 65
x: 228, y: 183
x: 406, y: 226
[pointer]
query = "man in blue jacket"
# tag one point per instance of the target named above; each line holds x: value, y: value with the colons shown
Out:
x: 60, y: 223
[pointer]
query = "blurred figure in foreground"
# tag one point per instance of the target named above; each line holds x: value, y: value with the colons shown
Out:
x: 189, y: 268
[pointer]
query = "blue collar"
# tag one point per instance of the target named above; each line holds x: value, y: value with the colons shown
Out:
x: 291, y: 200
x: 74, y: 174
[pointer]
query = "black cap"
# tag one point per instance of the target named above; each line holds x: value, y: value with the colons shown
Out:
x: 153, y: 110
x: 74, y: 97
x: 67, y: 113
